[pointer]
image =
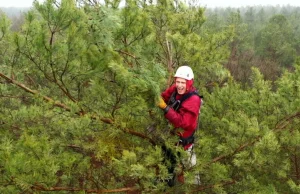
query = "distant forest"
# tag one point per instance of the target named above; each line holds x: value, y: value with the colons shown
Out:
x: 267, y: 37
x: 13, y: 12
x: 256, y: 28
x: 16, y: 15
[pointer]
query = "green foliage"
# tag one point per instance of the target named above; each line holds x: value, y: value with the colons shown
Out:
x: 78, y: 88
x: 4, y: 27
x: 247, y: 131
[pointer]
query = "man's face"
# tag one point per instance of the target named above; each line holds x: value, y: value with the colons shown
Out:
x: 180, y: 85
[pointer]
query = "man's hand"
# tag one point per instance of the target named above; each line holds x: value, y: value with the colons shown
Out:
x: 161, y: 103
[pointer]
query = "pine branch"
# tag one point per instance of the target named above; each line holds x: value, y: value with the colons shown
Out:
x: 169, y: 62
x: 9, y: 96
x: 126, y: 53
x: 242, y: 147
x: 281, y: 125
x: 296, y: 166
x: 65, y: 107
x: 141, y: 135
x: 287, y: 120
x: 53, y: 79
x: 39, y: 187
x: 46, y: 98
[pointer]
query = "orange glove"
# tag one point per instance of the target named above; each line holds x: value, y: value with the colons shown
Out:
x: 161, y: 103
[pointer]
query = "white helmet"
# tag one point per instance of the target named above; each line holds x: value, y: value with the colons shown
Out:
x: 185, y: 72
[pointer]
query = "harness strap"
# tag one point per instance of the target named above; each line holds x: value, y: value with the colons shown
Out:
x: 188, y: 140
x: 175, y: 104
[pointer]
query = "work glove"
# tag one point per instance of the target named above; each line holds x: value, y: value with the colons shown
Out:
x: 161, y: 103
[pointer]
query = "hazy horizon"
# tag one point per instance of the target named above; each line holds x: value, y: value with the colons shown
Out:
x: 203, y: 3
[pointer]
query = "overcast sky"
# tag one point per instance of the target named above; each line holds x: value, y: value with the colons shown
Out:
x: 16, y: 3
x: 240, y: 3
x: 208, y: 3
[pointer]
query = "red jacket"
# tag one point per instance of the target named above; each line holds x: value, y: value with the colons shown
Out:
x: 186, y: 116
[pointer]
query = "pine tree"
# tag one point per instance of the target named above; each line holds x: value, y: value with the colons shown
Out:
x: 78, y: 86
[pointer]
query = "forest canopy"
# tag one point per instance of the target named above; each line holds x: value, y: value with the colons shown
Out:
x: 79, y: 81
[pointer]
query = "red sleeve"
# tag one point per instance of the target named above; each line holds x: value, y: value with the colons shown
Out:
x: 187, y: 115
x: 168, y: 93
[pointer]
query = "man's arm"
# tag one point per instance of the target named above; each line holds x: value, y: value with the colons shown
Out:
x: 187, y: 115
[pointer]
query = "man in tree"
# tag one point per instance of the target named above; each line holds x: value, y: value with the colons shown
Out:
x: 181, y: 105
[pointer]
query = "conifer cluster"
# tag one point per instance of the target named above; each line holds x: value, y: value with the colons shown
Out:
x: 78, y: 88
